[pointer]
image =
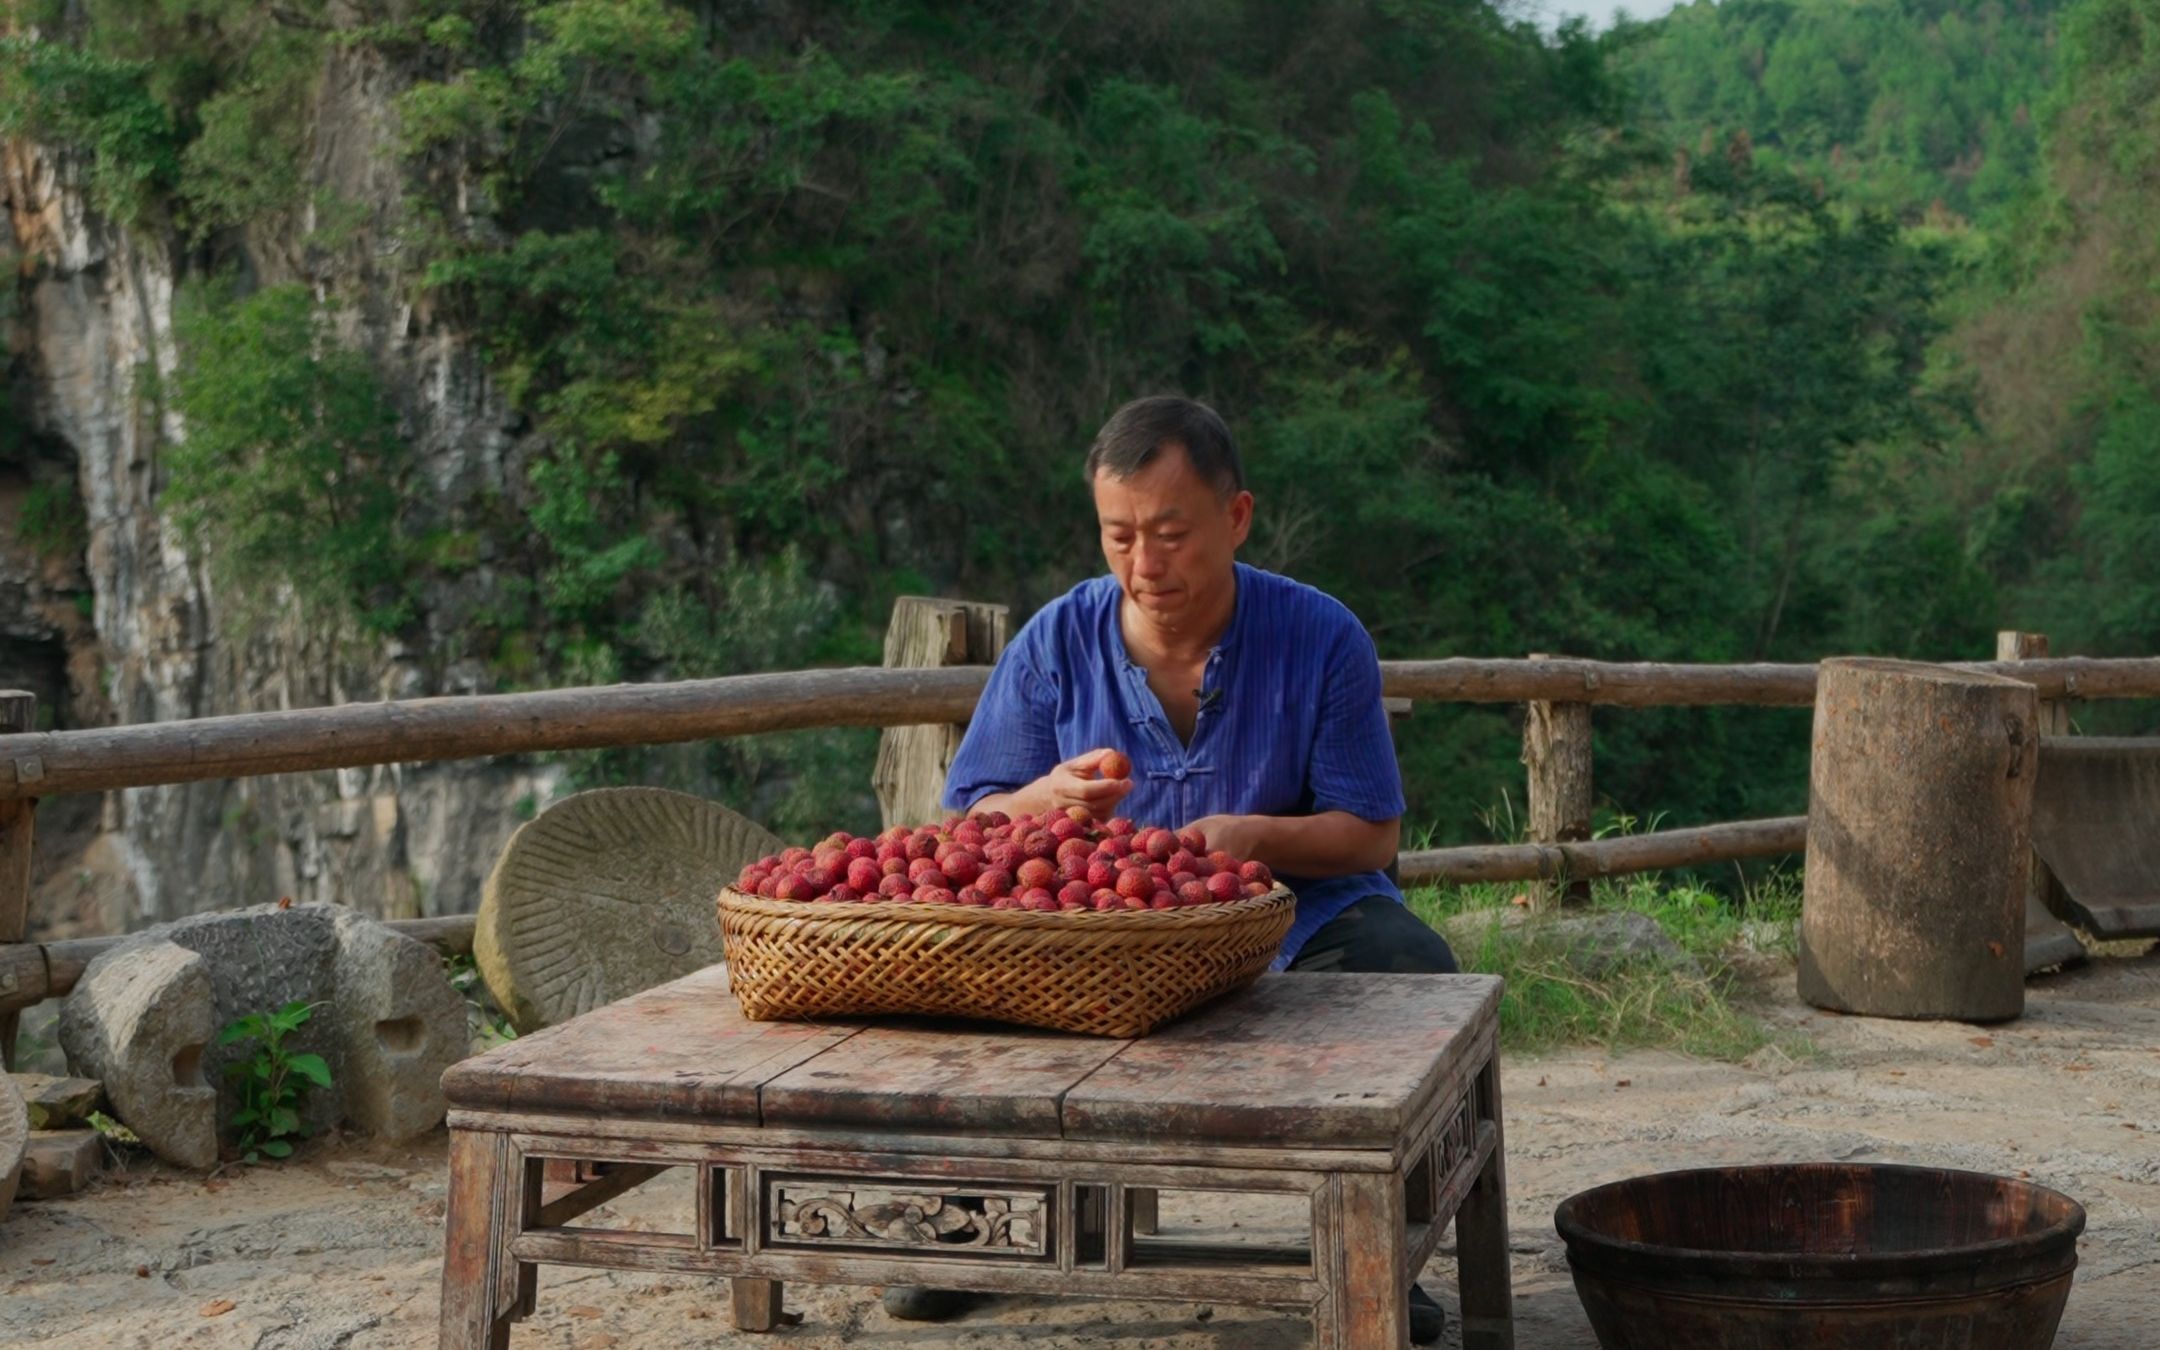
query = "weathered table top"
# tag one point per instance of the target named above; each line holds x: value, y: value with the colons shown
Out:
x: 1337, y: 1060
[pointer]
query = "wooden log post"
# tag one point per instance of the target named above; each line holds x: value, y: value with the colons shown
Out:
x: 18, y: 713
x: 912, y: 760
x: 2048, y: 940
x: 1556, y: 752
x: 1919, y: 841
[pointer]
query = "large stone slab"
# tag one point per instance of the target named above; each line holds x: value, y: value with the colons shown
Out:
x: 606, y: 894
x: 139, y: 1020
x: 386, y: 1020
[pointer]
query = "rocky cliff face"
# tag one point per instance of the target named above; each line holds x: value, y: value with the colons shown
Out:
x: 121, y: 622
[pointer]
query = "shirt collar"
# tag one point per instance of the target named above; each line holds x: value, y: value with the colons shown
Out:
x: 1240, y: 589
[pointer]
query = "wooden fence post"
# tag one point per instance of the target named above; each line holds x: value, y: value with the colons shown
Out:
x: 1556, y: 751
x: 911, y: 761
x: 18, y: 713
x: 2048, y: 940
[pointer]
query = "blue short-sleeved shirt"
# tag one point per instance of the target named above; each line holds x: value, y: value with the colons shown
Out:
x: 1297, y: 727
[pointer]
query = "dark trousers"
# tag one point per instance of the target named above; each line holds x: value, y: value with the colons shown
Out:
x: 1377, y: 935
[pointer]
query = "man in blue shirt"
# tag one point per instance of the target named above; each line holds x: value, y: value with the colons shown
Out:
x: 1248, y: 705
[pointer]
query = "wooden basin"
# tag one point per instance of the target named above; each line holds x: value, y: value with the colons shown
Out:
x: 1822, y: 1256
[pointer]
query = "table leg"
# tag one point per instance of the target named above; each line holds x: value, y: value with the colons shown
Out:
x: 757, y: 1303
x: 1368, y: 1303
x: 1481, y: 1238
x: 473, y: 1242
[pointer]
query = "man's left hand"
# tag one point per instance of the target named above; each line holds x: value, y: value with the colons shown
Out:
x: 1242, y: 837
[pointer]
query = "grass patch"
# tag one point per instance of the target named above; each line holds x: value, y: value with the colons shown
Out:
x: 1558, y: 995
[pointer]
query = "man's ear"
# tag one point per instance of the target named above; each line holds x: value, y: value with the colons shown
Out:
x: 1241, y: 509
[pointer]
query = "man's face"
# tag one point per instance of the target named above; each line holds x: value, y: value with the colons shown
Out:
x: 1170, y: 539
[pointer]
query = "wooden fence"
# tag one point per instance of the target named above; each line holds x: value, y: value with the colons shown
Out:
x: 1558, y: 694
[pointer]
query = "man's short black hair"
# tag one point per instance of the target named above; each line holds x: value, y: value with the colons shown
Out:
x: 1137, y: 432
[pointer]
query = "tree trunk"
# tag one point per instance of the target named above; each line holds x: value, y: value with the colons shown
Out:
x: 1919, y: 841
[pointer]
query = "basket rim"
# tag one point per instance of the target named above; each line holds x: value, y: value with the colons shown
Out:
x: 1185, y: 917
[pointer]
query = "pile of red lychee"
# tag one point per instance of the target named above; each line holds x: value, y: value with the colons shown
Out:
x: 1055, y: 861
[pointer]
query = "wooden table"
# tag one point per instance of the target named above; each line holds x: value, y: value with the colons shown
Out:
x: 965, y: 1156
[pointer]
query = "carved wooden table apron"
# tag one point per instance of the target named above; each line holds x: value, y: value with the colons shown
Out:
x: 969, y: 1157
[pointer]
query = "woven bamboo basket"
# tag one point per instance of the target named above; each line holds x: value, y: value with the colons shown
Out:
x: 1116, y: 973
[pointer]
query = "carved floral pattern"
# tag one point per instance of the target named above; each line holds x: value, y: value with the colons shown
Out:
x: 839, y: 1212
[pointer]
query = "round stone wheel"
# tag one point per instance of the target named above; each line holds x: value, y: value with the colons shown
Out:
x: 606, y: 893
x: 14, y: 1137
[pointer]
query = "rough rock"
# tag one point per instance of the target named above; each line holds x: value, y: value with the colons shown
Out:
x: 60, y: 1162
x: 86, y: 331
x: 14, y: 1133
x: 139, y: 1021
x: 386, y: 1020
x: 259, y: 960
x: 1595, y: 944
x: 55, y: 1103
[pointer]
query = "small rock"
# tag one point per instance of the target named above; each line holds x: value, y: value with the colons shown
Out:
x: 1595, y: 944
x: 55, y: 1103
x: 60, y: 1162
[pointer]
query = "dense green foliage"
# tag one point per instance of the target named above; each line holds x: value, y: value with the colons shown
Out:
x: 292, y: 469
x: 801, y: 312
x: 1905, y: 105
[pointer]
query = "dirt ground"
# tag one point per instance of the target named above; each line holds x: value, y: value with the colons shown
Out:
x: 339, y: 1248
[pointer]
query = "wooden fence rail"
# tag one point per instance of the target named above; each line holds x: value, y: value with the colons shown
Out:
x: 356, y: 735
x: 41, y: 764
x: 1615, y: 856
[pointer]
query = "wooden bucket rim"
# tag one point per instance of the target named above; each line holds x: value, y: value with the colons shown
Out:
x: 1606, y: 1255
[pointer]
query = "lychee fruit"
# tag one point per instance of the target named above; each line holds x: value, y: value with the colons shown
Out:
x: 962, y: 867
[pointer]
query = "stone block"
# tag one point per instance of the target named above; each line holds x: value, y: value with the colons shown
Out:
x: 56, y: 1103
x: 60, y: 1162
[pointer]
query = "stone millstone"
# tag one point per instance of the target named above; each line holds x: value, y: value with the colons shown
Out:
x: 14, y: 1135
x: 607, y: 893
x: 139, y: 1021
x: 385, y: 1020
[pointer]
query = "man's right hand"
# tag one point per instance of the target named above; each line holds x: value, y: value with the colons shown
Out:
x: 1078, y: 781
